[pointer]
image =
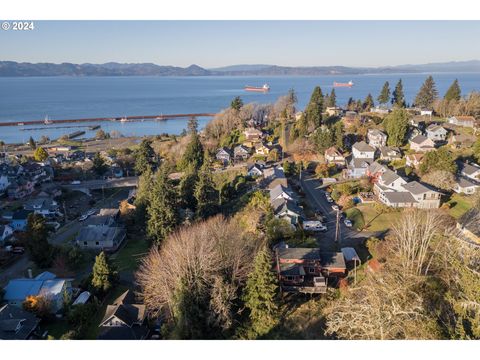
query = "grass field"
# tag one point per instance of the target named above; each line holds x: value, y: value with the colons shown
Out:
x: 459, y: 205
x: 375, y: 221
x: 129, y: 256
x: 356, y: 217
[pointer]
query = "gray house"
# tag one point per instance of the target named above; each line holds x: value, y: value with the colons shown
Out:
x: 100, y: 237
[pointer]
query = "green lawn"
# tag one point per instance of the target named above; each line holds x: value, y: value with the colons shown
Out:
x: 356, y: 217
x: 459, y: 205
x: 375, y: 221
x: 129, y: 256
x: 308, y: 242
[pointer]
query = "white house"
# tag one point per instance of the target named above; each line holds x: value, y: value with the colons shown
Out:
x: 333, y: 155
x: 470, y: 170
x: 376, y: 138
x: 361, y: 150
x: 421, y: 143
x: 465, y: 185
x: 466, y: 121
x: 254, y: 170
x: 436, y: 132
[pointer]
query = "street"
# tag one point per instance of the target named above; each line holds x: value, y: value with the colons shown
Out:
x: 348, y: 237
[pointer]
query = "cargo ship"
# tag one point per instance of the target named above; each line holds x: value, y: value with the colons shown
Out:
x: 348, y: 84
x: 264, y: 88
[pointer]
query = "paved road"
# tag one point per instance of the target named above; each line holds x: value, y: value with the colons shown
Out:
x: 103, y: 183
x: 315, y: 197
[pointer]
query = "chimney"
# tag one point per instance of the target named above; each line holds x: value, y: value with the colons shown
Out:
x: 30, y: 274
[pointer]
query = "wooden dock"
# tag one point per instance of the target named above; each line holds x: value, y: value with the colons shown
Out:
x: 114, y: 119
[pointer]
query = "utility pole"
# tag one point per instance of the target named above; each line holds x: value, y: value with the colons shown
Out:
x: 337, y: 227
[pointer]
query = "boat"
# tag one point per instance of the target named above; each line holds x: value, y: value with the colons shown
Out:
x: 348, y: 84
x: 264, y: 88
x: 20, y: 124
x: 124, y: 119
x: 47, y: 121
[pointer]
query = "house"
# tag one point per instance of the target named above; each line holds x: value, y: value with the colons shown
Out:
x: 469, y: 225
x: 19, y: 220
x: 421, y: 143
x: 252, y: 134
x: 287, y: 210
x: 426, y: 197
x: 262, y: 149
x: 461, y: 141
x: 466, y: 121
x: 465, y: 185
x: 45, y: 284
x: 282, y: 192
x: 275, y: 176
x: 254, y: 170
x: 5, y: 233
x: 333, y: 111
x: 100, y: 237
x: 379, y: 110
x: 469, y: 170
x: 334, y: 155
x: 241, y: 153
x: 418, y: 122
x: 20, y: 187
x: 124, y: 319
x: 436, y: 132
x: 361, y: 150
x: 16, y: 323
x: 357, y: 168
x: 414, y: 160
x: 45, y: 206
x: 376, y: 138
x: 224, y: 155
x: 308, y: 267
x: 389, y: 153
x: 426, y: 112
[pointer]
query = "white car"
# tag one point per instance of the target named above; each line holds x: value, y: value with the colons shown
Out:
x: 335, y: 207
x: 91, y: 212
x: 314, y: 225
x: 348, y: 223
x: 83, y: 217
x: 75, y: 182
x: 329, y: 199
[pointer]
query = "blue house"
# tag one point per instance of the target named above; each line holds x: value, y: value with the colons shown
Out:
x: 19, y: 220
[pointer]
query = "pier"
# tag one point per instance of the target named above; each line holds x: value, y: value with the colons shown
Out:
x: 119, y: 119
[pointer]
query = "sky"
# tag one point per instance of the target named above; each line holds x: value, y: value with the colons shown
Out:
x: 219, y: 43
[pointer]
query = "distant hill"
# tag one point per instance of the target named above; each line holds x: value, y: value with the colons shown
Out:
x: 12, y: 68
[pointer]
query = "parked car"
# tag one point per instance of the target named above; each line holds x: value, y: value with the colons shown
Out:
x: 335, y: 207
x: 83, y: 217
x: 314, y: 226
x: 18, y: 250
x: 348, y: 223
x: 91, y: 212
x: 76, y: 182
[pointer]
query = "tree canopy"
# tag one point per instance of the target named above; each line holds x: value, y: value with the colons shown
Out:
x: 236, y: 103
x: 40, y: 154
x: 313, y: 112
x: 396, y: 127
x: 427, y: 94
x: 104, y: 274
x: 384, y: 96
x: 37, y: 232
x: 144, y: 156
x: 454, y: 92
x: 398, y: 98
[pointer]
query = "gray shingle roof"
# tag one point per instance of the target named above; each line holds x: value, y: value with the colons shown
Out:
x: 299, y: 253
x: 416, y: 188
x: 389, y: 176
x: 419, y: 139
x: 363, y: 146
x: 398, y: 197
x: 469, y: 169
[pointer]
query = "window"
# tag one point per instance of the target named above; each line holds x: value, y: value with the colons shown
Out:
x: 85, y: 243
x: 311, y: 270
x: 290, y: 278
x: 96, y: 243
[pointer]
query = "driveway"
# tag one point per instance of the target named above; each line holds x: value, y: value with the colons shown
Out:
x: 315, y: 198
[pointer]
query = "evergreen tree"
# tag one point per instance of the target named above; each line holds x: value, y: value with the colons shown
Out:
x: 193, y: 125
x: 205, y: 194
x: 40, y: 154
x: 104, y: 274
x: 313, y: 112
x: 398, y: 99
x: 236, y: 103
x: 32, y: 143
x: 324, y: 138
x: 359, y: 105
x: 338, y: 133
x: 441, y: 159
x: 453, y: 92
x: 142, y: 198
x: 99, y: 165
x: 332, y: 99
x: 384, y: 96
x: 193, y: 155
x: 368, y: 103
x: 427, y: 94
x: 351, y: 104
x: 396, y: 127
x: 144, y: 157
x: 41, y: 252
x: 260, y: 296
x: 162, y: 208
x: 187, y: 188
